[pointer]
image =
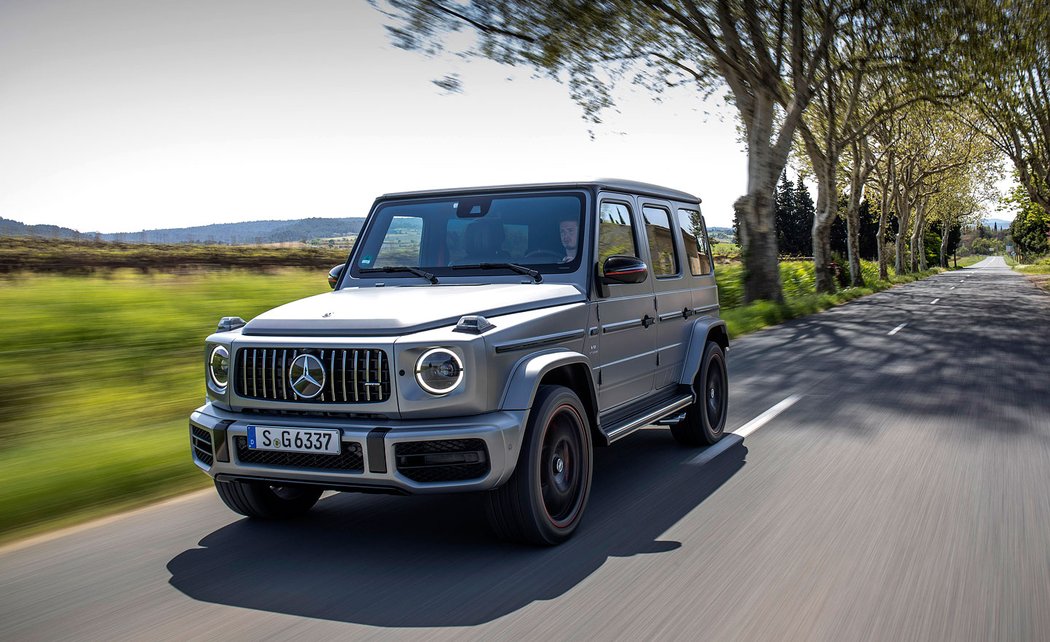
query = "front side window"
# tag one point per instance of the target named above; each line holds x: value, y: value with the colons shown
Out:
x: 695, y: 240
x: 615, y: 232
x: 541, y: 231
x: 661, y: 241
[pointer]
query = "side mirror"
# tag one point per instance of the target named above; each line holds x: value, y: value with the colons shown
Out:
x: 334, y: 274
x: 624, y: 269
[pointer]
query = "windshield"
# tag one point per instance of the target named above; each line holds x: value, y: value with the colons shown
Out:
x: 540, y: 231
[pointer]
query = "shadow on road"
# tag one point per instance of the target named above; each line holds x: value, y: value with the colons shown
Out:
x: 430, y: 561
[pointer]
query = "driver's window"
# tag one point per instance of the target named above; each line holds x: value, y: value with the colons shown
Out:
x: 615, y: 232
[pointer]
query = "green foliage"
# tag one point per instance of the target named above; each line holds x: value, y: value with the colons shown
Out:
x: 1030, y: 229
x: 801, y: 300
x: 793, y: 216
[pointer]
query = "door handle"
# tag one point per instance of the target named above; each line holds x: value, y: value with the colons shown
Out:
x: 687, y: 312
x: 648, y: 321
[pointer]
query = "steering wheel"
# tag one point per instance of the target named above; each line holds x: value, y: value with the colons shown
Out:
x: 544, y: 256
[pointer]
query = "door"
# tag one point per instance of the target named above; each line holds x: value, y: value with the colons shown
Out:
x: 625, y: 319
x: 672, y: 290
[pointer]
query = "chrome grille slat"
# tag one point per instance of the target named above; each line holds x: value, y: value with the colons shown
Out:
x: 284, y: 373
x: 368, y: 375
x: 357, y: 391
x: 345, y: 398
x: 353, y: 375
x: 262, y: 373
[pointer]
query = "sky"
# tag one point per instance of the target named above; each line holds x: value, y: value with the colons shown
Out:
x: 123, y: 115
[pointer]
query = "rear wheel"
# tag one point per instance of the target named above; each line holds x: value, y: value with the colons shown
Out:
x: 543, y: 501
x: 267, y: 501
x: 706, y: 419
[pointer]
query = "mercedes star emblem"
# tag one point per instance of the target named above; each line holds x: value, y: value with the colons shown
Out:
x: 306, y: 376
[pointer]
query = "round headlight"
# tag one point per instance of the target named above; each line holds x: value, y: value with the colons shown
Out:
x: 219, y: 367
x: 439, y: 371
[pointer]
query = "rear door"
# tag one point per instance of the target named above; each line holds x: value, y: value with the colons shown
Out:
x: 672, y: 290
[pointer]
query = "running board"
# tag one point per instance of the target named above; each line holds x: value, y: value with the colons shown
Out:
x: 673, y: 406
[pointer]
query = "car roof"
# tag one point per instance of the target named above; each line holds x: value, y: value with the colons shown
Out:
x: 612, y: 184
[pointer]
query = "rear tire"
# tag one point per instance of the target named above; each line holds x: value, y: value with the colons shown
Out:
x: 543, y: 501
x: 706, y: 419
x: 265, y: 501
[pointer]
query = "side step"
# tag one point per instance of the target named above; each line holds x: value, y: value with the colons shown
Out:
x: 661, y: 409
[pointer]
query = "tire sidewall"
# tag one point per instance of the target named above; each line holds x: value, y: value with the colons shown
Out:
x: 713, y: 358
x: 550, y: 401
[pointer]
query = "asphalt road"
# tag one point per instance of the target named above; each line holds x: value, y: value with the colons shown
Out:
x: 898, y: 491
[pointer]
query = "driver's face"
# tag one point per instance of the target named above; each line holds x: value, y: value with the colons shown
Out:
x: 569, y: 231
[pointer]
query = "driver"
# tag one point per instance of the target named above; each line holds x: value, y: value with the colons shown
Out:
x: 569, y: 231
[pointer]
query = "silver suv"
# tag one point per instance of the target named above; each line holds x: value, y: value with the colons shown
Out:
x: 476, y: 340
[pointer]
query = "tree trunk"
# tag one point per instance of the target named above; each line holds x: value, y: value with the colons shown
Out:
x: 903, y: 214
x: 826, y: 208
x: 856, y: 194
x: 884, y: 216
x: 918, y: 250
x: 755, y: 212
x: 944, y: 244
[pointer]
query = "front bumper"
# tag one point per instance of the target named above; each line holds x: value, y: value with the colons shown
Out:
x: 376, y: 441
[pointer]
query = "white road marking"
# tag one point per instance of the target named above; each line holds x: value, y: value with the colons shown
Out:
x: 897, y: 329
x: 934, y: 302
x: 952, y: 288
x: 728, y: 441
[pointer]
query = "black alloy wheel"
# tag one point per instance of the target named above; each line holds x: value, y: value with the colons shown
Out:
x: 543, y: 501
x: 705, y: 419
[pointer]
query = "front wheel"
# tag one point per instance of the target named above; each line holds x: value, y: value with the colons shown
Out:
x: 266, y: 501
x: 543, y: 501
x: 706, y: 419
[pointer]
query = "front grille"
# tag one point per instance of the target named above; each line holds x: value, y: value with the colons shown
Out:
x: 349, y: 460
x: 443, y: 460
x: 200, y: 439
x: 355, y: 375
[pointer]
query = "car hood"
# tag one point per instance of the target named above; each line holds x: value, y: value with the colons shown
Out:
x: 392, y: 311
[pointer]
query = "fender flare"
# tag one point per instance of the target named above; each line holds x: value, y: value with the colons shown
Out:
x: 703, y: 328
x: 528, y: 372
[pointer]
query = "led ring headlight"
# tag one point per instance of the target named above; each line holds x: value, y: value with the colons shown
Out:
x: 439, y: 371
x: 219, y: 367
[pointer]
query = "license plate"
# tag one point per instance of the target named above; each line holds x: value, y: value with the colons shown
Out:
x: 294, y: 440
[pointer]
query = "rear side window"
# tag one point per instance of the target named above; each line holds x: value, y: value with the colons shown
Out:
x: 695, y: 241
x: 615, y: 232
x: 661, y: 241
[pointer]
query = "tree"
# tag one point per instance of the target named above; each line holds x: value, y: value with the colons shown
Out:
x: 769, y: 55
x: 1030, y: 228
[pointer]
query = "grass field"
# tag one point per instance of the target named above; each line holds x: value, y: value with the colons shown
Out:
x: 99, y: 375
x: 100, y: 372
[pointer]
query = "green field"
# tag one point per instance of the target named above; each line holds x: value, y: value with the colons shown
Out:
x: 100, y: 373
x: 99, y: 376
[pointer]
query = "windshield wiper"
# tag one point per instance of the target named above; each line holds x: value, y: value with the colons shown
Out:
x: 404, y: 268
x: 520, y: 269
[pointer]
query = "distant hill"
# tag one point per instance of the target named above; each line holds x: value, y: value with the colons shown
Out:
x: 251, y: 232
x: 246, y: 233
x: 14, y: 228
x: 720, y: 234
x: 992, y: 222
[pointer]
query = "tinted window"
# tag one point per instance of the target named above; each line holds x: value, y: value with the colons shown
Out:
x: 661, y: 241
x: 539, y: 230
x: 695, y: 242
x: 615, y: 232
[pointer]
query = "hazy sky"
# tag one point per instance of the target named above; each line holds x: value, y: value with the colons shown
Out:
x: 121, y: 115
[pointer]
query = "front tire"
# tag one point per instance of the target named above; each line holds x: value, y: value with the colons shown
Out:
x: 265, y: 501
x: 705, y: 420
x: 543, y: 501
